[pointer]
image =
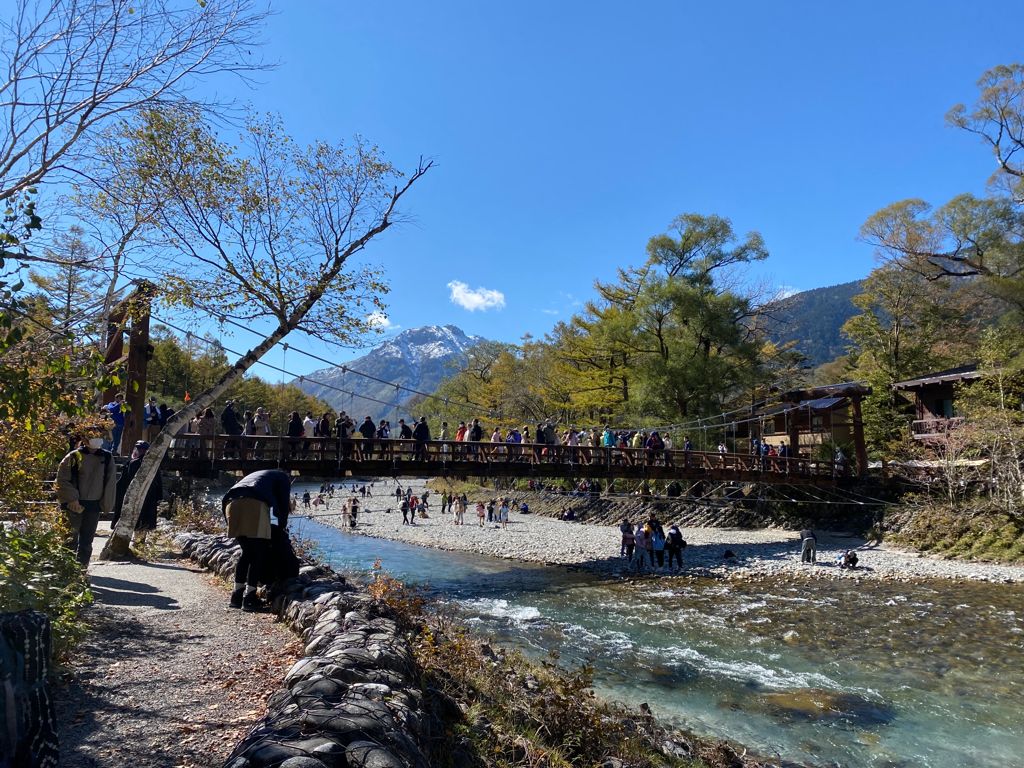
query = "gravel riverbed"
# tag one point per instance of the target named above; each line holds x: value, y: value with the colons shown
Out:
x: 758, y: 553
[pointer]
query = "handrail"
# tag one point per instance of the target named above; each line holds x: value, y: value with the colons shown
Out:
x: 282, y: 448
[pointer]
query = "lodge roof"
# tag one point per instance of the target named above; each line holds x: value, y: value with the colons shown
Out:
x: 844, y: 389
x: 816, y: 404
x: 949, y: 376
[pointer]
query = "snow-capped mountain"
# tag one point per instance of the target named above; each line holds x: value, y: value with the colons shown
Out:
x: 418, y: 358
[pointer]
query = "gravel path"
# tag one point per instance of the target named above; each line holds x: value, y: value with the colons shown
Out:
x: 762, y: 552
x: 169, y: 675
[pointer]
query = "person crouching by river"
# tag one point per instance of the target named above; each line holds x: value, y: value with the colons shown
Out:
x: 247, y: 507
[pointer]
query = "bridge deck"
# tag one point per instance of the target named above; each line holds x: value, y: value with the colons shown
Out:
x: 329, y: 457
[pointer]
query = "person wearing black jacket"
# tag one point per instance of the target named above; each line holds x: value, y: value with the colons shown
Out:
x: 295, y: 430
x: 675, y: 544
x: 147, y: 517
x: 368, y: 430
x: 421, y: 435
x: 247, y: 507
x: 232, y: 426
x: 475, y: 435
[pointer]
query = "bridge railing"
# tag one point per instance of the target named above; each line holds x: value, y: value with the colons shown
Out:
x: 282, y: 449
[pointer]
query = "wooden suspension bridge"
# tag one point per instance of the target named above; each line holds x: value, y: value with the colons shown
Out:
x: 329, y: 457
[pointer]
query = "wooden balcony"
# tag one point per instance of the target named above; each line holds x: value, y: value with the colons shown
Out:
x: 935, y: 428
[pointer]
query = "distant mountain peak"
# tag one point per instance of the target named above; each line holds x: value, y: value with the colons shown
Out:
x: 414, y: 359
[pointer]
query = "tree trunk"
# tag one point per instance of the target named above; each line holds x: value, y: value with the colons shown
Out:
x: 117, y: 546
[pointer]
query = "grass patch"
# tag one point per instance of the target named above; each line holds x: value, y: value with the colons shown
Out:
x: 972, y: 533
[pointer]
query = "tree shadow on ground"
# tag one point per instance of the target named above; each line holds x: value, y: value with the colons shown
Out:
x: 111, y: 591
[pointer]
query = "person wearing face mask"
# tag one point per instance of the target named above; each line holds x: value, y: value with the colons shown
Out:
x: 86, y: 488
x: 147, y: 518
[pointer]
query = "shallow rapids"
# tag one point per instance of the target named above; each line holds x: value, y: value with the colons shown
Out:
x: 828, y: 672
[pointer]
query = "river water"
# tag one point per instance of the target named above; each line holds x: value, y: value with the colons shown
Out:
x: 832, y: 673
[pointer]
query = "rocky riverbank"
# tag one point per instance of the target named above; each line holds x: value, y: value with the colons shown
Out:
x: 363, y: 697
x: 716, y: 552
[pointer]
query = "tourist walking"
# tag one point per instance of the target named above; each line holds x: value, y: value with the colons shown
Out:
x: 247, y: 508
x: 117, y: 410
x: 86, y: 488
x: 503, y: 512
x: 481, y: 513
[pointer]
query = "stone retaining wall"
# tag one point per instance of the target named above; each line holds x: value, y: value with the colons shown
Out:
x: 351, y: 701
x: 28, y: 737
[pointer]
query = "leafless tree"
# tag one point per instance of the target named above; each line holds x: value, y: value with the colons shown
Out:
x: 68, y: 66
x: 262, y: 235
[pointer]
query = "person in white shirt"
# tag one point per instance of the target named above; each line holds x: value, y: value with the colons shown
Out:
x: 308, y: 431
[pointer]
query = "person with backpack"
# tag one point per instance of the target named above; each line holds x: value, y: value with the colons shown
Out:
x: 86, y: 488
x: 675, y: 544
x: 247, y: 508
x: 152, y: 422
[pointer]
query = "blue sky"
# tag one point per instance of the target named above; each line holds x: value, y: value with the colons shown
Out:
x: 568, y: 133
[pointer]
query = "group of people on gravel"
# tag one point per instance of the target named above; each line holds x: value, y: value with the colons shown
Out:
x: 647, y: 544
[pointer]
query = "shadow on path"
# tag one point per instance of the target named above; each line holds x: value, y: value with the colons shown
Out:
x: 110, y: 591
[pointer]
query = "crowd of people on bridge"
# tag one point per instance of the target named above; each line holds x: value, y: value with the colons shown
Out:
x: 342, y: 438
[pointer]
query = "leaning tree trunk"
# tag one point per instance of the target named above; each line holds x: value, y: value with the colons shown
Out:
x: 117, y: 545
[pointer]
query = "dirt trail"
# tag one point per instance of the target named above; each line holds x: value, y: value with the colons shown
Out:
x: 169, y: 676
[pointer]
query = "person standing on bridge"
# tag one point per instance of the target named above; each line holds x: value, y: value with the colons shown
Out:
x: 474, y: 436
x: 421, y: 434
x: 443, y: 437
x: 247, y: 508
x: 368, y: 430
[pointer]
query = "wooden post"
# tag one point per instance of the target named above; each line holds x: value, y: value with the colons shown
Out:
x: 794, y: 433
x: 858, y: 436
x: 135, y: 389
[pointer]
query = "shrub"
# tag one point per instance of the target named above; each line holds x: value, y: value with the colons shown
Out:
x: 39, y: 572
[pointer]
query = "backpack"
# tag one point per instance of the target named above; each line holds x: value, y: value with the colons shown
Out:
x: 658, y: 541
x: 76, y: 463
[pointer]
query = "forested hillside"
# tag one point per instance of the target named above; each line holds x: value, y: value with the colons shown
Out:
x: 814, y: 321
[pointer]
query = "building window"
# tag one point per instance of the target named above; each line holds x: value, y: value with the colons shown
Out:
x: 817, y: 423
x: 768, y: 427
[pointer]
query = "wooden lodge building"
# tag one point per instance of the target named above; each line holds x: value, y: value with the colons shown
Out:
x: 934, y: 398
x: 807, y: 418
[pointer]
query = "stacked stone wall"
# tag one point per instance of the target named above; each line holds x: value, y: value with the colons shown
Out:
x: 352, y: 700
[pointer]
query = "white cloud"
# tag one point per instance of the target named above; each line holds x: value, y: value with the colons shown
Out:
x: 381, y: 321
x: 475, y: 298
x: 550, y: 311
x: 784, y: 292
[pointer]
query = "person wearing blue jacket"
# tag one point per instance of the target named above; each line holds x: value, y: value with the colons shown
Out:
x: 247, y: 508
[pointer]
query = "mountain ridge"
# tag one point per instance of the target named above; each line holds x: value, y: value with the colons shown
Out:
x: 415, y: 359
